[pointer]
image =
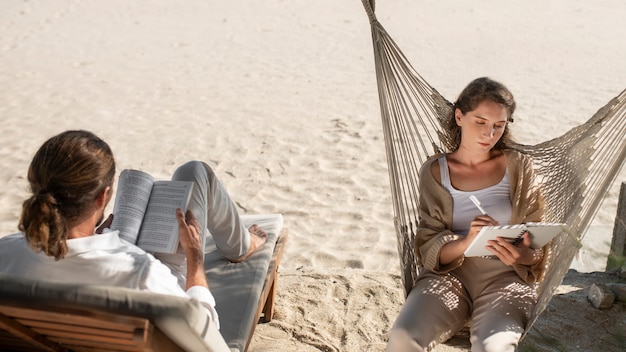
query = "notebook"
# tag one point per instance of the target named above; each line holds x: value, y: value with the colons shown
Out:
x: 540, y: 233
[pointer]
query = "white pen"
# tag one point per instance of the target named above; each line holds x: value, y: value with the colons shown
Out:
x: 478, y: 205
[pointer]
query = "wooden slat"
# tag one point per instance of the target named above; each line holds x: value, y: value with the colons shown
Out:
x: 26, y: 334
x: 126, y: 330
x: 82, y: 317
x: 79, y: 343
x: 91, y: 335
x: 266, y: 300
x: 79, y: 331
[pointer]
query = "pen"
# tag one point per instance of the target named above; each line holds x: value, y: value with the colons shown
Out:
x: 477, y: 204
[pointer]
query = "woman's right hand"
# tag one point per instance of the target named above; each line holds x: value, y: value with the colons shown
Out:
x: 478, y: 223
x: 454, y: 249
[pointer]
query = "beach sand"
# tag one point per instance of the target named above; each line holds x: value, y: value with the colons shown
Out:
x: 280, y: 98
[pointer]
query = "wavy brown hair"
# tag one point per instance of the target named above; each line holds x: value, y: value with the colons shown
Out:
x: 477, y: 91
x: 66, y: 175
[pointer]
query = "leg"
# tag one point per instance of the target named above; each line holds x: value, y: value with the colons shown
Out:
x: 501, y: 314
x: 216, y: 212
x: 435, y: 309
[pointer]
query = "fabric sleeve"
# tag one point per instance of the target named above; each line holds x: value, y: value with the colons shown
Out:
x: 435, y: 213
x: 528, y: 200
x: 205, y: 297
x: 160, y: 279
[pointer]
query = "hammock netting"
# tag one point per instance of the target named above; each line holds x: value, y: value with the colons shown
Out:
x: 574, y: 170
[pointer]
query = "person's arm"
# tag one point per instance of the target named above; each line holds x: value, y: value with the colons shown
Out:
x: 528, y: 206
x: 451, y: 251
x: 190, y: 240
x: 435, y: 217
x: 197, y: 283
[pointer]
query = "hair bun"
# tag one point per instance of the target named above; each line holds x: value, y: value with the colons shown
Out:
x: 45, y: 196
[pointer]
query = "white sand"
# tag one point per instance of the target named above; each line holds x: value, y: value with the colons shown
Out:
x: 279, y: 97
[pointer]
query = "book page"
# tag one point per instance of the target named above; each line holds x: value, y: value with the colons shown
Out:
x: 159, y: 232
x: 133, y: 193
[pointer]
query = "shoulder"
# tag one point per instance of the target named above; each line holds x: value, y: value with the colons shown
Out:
x: 9, y: 243
x: 516, y: 160
x: 430, y: 168
x: 520, y: 167
x: 513, y: 155
x: 12, y: 238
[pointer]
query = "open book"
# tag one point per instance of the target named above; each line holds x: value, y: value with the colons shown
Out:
x: 145, y: 210
x: 540, y: 233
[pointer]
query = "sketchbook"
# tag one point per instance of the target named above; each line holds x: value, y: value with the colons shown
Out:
x: 540, y: 233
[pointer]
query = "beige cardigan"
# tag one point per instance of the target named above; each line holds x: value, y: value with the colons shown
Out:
x: 435, y: 214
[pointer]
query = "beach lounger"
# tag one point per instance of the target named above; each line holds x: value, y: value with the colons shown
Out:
x: 44, y: 316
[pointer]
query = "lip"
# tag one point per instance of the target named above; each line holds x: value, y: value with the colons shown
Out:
x: 485, y: 144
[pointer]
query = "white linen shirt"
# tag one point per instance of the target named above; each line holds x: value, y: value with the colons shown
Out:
x: 101, y: 259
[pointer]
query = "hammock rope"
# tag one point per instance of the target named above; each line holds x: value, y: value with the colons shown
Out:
x: 574, y: 170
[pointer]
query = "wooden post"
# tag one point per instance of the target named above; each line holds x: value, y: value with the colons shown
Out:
x: 617, y: 255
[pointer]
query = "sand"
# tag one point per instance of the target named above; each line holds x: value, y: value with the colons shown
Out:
x: 279, y: 97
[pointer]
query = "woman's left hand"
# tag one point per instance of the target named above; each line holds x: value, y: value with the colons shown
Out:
x: 511, y: 254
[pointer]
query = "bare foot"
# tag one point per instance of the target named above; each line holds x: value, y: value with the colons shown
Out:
x: 258, y: 237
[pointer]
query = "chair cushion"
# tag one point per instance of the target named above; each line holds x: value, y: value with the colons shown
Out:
x: 237, y: 287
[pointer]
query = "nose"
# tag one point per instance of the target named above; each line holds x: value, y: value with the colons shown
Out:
x: 489, y: 131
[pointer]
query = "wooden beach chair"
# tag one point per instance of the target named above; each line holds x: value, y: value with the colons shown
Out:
x: 574, y: 170
x: 44, y: 316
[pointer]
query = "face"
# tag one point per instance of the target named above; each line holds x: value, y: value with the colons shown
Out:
x: 482, y: 127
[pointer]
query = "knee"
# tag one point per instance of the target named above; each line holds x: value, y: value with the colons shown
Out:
x: 193, y: 170
x: 192, y: 166
x: 501, y: 341
x: 401, y: 339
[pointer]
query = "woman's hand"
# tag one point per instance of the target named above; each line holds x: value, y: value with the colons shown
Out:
x: 511, y: 254
x: 454, y: 249
x: 190, y: 240
x: 477, y: 224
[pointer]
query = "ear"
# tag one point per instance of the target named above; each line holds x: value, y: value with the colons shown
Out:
x: 457, y: 116
x: 103, y: 198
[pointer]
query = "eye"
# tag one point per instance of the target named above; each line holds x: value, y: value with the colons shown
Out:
x: 499, y: 127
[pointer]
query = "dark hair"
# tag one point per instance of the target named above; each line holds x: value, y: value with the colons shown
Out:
x: 476, y: 92
x: 66, y: 175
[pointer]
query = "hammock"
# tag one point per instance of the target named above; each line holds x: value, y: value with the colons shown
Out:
x: 575, y: 170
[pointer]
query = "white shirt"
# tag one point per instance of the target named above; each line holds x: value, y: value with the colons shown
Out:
x: 99, y: 260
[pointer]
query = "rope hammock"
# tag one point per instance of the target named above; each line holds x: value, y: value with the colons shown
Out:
x: 574, y: 170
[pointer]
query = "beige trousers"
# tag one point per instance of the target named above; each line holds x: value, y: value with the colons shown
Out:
x: 483, y: 291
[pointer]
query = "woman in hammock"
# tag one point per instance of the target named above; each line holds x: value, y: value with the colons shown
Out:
x: 495, y: 294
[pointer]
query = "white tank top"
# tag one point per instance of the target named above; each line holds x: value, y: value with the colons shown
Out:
x: 496, y: 201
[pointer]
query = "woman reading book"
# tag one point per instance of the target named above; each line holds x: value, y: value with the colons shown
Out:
x: 494, y: 293
x: 71, y: 179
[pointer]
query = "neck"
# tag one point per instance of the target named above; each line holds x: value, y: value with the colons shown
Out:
x: 469, y: 157
x: 85, y: 227
x: 81, y: 231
